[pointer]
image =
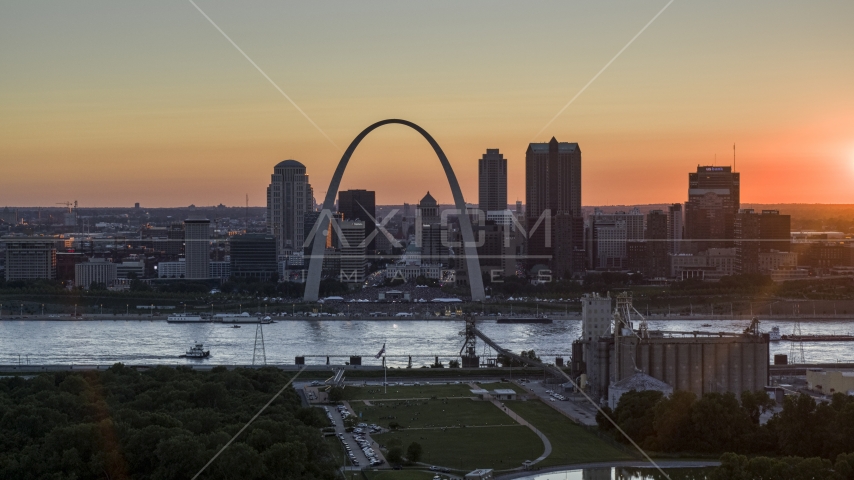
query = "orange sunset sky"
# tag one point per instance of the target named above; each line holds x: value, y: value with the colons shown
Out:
x: 111, y: 103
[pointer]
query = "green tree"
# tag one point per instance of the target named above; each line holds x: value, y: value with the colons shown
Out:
x: 395, y: 455
x: 413, y: 452
x: 635, y: 414
x: 672, y: 422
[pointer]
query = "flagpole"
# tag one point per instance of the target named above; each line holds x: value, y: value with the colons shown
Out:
x: 385, y: 377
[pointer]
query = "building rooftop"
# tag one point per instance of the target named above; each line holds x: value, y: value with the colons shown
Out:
x: 640, y: 382
x: 289, y: 164
x: 428, y: 200
x: 562, y: 147
x: 504, y: 391
x: 479, y: 391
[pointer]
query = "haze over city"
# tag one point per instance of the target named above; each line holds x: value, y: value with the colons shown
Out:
x: 116, y: 103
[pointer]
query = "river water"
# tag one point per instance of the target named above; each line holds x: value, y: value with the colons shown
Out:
x: 103, y: 342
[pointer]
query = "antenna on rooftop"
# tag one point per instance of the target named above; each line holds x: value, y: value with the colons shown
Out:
x: 733, y: 156
x: 247, y: 213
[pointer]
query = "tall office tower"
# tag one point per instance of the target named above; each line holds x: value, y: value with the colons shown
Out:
x: 553, y: 193
x: 253, y: 255
x: 492, y: 181
x: 289, y: 198
x: 656, y: 244
x: 175, y: 240
x: 674, y: 228
x: 429, y: 232
x: 746, y: 230
x: 197, y: 240
x: 351, y: 250
x: 713, y: 201
x: 360, y: 205
x: 30, y: 258
x: 775, y: 231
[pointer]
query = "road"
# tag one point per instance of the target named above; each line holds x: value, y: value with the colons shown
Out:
x: 576, y: 407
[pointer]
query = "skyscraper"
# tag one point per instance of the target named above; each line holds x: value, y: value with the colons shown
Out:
x: 360, y: 205
x: 553, y: 194
x: 289, y: 198
x: 656, y: 244
x: 713, y: 200
x: 429, y: 232
x: 492, y: 181
x: 775, y: 231
x: 349, y: 236
x: 254, y: 256
x: 675, y: 226
x: 197, y: 238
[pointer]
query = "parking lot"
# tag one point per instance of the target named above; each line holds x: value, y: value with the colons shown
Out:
x: 357, y: 445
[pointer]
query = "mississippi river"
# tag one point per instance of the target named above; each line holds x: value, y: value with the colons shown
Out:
x: 105, y: 342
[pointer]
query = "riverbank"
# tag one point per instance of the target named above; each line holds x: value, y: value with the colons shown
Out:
x: 421, y: 317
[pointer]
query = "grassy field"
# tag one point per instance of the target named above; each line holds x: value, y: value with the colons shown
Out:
x: 398, y: 391
x: 335, y: 449
x: 432, y: 413
x: 469, y: 448
x: 570, y: 442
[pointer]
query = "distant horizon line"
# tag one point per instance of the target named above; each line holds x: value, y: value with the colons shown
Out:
x: 401, y: 204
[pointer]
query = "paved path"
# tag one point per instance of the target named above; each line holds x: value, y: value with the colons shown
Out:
x: 546, y: 443
x: 624, y: 464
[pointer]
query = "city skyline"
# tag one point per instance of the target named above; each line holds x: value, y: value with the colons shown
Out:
x: 118, y: 105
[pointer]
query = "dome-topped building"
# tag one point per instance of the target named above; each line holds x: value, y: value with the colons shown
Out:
x: 290, y: 164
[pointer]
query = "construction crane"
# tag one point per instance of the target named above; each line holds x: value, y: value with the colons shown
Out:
x: 68, y: 205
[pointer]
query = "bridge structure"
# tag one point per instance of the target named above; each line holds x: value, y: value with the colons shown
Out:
x: 312, y: 286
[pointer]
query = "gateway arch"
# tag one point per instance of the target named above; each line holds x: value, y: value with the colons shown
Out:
x: 312, y: 287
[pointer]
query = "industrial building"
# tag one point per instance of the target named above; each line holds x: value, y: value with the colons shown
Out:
x: 698, y: 362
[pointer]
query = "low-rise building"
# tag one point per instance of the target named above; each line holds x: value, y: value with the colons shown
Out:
x: 638, y: 382
x: 172, y: 269
x: 829, y: 382
x: 480, y: 474
x: 128, y: 269
x: 773, y: 260
x: 220, y: 269
x: 96, y: 270
x: 711, y: 264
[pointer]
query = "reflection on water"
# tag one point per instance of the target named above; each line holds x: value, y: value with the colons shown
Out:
x: 623, y: 473
x: 157, y: 342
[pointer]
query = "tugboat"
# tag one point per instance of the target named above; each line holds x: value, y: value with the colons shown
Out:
x: 197, y: 351
x: 774, y: 335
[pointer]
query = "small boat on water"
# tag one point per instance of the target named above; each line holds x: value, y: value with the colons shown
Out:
x: 197, y: 351
x: 774, y: 335
x: 706, y: 325
x: 235, y: 326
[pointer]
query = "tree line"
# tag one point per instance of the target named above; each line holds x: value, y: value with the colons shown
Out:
x: 721, y: 422
x: 163, y: 423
